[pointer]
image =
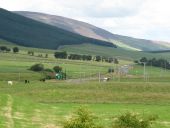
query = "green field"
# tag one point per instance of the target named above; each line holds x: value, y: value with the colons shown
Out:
x: 46, y: 105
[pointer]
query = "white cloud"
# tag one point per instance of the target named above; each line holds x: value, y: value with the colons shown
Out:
x: 138, y: 18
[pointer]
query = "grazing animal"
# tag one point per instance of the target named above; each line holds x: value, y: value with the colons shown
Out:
x: 27, y: 81
x: 106, y: 79
x: 43, y: 79
x: 10, y: 83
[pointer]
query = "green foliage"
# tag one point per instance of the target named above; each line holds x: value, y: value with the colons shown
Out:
x: 46, y: 55
x: 130, y: 120
x: 4, y: 49
x: 31, y: 53
x: 15, y: 49
x: 49, y: 73
x: 83, y: 118
x: 143, y: 60
x: 57, y: 69
x: 40, y: 55
x: 8, y: 50
x: 163, y: 63
x: 116, y: 61
x: 48, y: 70
x: 37, y: 67
x: 80, y: 57
x: 98, y: 58
x: 110, y: 70
x: 61, y: 55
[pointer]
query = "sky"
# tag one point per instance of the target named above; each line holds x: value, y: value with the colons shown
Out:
x: 147, y: 19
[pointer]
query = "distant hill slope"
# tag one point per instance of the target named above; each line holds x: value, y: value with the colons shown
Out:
x: 27, y: 32
x: 88, y: 30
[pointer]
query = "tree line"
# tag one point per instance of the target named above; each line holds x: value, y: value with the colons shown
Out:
x: 65, y: 55
x: 163, y: 63
x: 6, y: 49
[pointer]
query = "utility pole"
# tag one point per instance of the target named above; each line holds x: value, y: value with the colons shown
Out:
x: 144, y: 71
x: 19, y: 76
x: 99, y: 77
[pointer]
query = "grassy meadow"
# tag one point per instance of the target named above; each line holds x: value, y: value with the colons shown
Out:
x: 48, y: 104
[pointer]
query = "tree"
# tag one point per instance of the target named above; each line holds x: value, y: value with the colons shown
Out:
x: 98, y: 58
x: 15, y: 49
x: 61, y: 55
x: 57, y: 69
x: 75, y: 57
x: 110, y: 70
x: 37, y: 67
x: 3, y: 48
x: 31, y: 53
x: 116, y: 61
x: 46, y: 55
x: 143, y: 60
x: 8, y: 50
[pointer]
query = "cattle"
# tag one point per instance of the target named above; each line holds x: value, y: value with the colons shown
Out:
x: 10, y: 83
x: 43, y: 79
x: 27, y: 81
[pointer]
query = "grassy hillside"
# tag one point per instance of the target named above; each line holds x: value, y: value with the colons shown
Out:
x: 89, y: 49
x: 112, y: 52
x: 27, y: 32
x: 91, y: 31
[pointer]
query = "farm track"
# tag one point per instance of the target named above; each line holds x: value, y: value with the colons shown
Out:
x: 8, y: 113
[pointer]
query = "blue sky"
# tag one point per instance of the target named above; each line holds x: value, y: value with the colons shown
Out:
x: 149, y: 19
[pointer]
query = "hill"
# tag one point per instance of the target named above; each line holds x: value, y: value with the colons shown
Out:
x: 91, y: 31
x: 27, y: 32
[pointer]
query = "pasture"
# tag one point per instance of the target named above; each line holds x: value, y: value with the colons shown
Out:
x: 47, y: 104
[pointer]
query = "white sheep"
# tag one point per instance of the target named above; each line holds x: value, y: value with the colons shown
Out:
x: 10, y: 83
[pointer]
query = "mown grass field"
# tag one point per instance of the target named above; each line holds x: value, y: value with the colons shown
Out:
x: 46, y: 105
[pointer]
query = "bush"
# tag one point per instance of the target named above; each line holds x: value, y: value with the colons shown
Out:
x: 49, y: 73
x: 110, y: 70
x: 8, y: 50
x: 57, y: 69
x: 61, y: 55
x: 46, y: 55
x: 83, y: 118
x: 3, y: 48
x: 15, y: 49
x: 31, y: 53
x: 37, y: 67
x: 129, y: 120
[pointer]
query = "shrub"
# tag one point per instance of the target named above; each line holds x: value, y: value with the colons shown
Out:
x: 49, y: 73
x: 83, y: 118
x: 37, y: 67
x: 31, y: 53
x: 8, y: 50
x: 110, y: 70
x: 129, y: 120
x: 61, y: 55
x: 46, y: 55
x: 3, y: 48
x: 15, y: 49
x: 57, y: 69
